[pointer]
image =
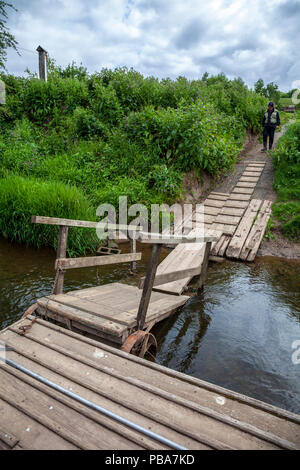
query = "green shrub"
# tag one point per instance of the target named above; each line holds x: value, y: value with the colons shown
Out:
x: 189, y: 137
x: 286, y: 160
x: 20, y: 198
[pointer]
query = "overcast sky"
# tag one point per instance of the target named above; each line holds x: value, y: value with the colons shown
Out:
x: 164, y: 38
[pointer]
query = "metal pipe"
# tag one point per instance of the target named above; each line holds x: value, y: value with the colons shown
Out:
x: 92, y: 405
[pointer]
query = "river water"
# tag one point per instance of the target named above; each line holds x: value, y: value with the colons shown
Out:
x: 238, y: 334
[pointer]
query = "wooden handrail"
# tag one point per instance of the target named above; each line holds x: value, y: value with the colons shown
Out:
x: 36, y: 219
x: 158, y: 238
x: 90, y: 261
x: 173, y: 276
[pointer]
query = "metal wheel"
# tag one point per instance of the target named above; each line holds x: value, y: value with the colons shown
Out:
x: 139, y: 343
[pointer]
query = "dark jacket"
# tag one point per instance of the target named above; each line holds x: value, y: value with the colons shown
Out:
x: 271, y: 119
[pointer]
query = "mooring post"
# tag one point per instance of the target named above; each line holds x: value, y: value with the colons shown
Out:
x: 42, y: 63
x: 61, y: 253
x: 148, y: 285
x: 202, y: 276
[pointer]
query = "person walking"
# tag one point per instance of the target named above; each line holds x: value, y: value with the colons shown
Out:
x: 270, y: 122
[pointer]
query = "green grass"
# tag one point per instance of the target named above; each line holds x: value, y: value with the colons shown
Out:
x: 20, y: 198
x: 286, y: 160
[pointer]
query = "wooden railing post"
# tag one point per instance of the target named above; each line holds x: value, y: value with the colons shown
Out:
x: 61, y: 253
x: 147, y: 289
x: 133, y: 250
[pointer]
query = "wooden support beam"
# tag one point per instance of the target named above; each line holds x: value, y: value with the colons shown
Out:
x: 158, y: 238
x: 88, y: 262
x: 173, y: 276
x: 148, y: 285
x: 61, y: 253
x: 203, y: 273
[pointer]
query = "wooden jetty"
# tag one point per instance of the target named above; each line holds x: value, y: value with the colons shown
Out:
x: 188, y: 412
x: 117, y: 313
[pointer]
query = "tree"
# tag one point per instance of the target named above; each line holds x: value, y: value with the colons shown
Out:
x: 7, y: 40
x: 272, y: 92
x: 259, y: 87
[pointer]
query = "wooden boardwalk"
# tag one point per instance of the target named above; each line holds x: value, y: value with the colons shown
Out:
x: 188, y: 411
x: 237, y: 220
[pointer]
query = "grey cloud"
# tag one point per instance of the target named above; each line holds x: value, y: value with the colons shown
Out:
x: 289, y: 9
x: 190, y: 35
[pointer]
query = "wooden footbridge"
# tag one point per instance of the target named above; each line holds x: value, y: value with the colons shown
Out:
x: 62, y: 388
x: 118, y: 313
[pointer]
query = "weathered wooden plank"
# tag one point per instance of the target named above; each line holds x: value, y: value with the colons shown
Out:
x: 242, y: 190
x: 239, y: 197
x: 224, y: 245
x: 256, y: 174
x: 224, y: 228
x: 234, y: 211
x: 73, y: 263
x: 236, y: 244
x: 227, y: 219
x: 217, y: 197
x: 211, y: 210
x: 220, y: 194
x: 214, y: 203
x: 245, y: 184
x: 232, y: 203
x: 249, y: 179
x: 8, y: 439
x: 73, y: 314
x: 256, y: 234
x: 98, y: 309
x: 215, y: 249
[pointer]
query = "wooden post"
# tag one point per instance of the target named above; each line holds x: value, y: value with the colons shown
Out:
x: 147, y: 289
x: 61, y: 253
x: 42, y: 63
x: 202, y: 276
x: 133, y: 250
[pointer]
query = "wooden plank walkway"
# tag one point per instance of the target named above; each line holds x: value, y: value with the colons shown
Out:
x: 108, y: 312
x: 226, y: 215
x: 190, y: 412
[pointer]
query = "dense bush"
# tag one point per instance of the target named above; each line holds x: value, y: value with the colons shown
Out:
x: 115, y: 133
x: 287, y: 181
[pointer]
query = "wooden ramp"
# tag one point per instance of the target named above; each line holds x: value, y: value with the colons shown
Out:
x: 187, y: 411
x: 237, y: 220
x: 109, y: 311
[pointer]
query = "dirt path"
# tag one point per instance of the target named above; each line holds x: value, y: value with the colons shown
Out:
x: 280, y: 246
